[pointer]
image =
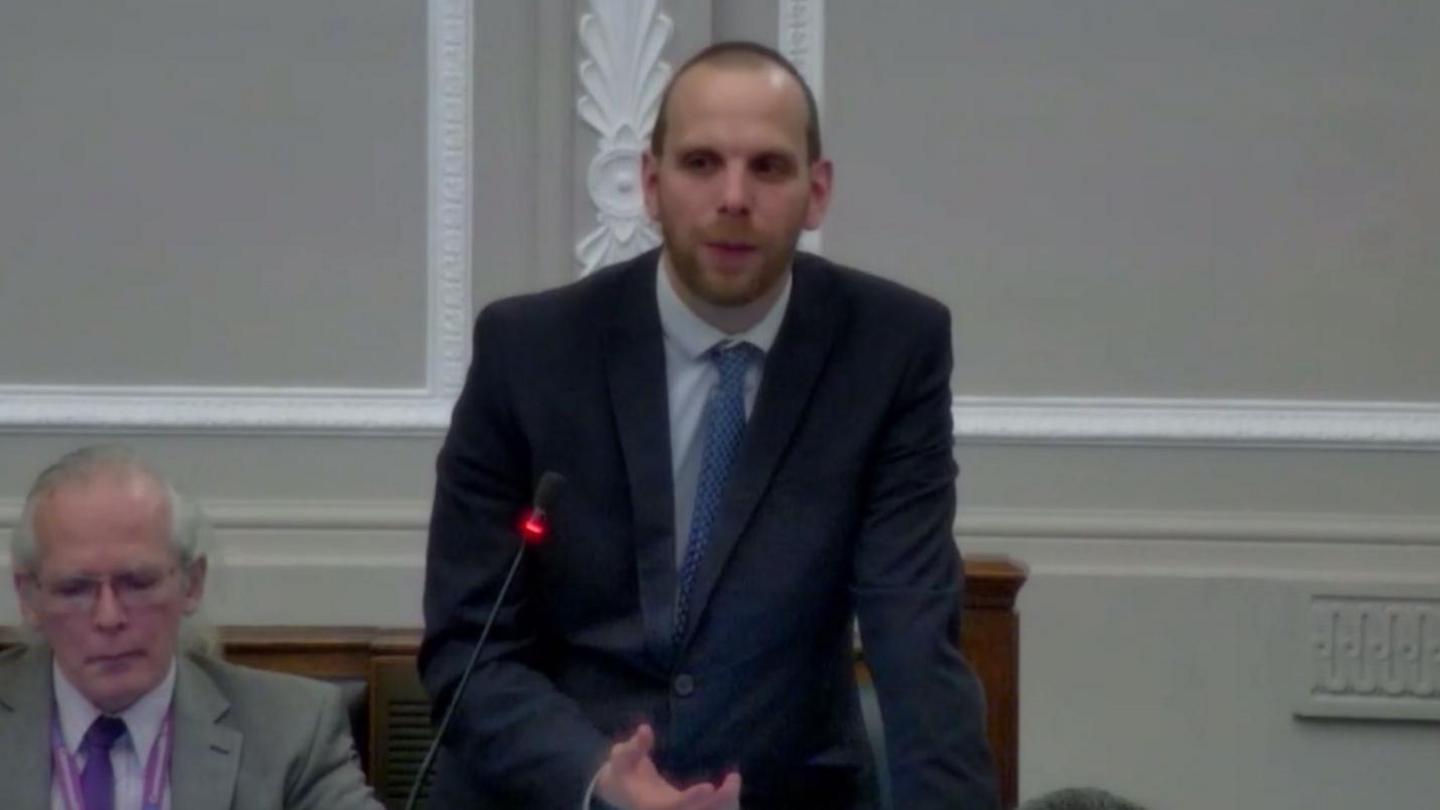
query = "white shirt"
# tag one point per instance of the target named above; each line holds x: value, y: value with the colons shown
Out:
x: 690, y: 379
x: 127, y: 756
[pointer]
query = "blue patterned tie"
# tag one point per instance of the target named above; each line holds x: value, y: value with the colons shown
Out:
x: 97, y: 780
x: 721, y: 426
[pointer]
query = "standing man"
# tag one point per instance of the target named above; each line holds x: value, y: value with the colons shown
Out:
x: 758, y: 448
x: 109, y: 711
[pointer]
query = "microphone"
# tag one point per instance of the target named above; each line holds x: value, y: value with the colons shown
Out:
x: 537, y: 522
x: 534, y: 525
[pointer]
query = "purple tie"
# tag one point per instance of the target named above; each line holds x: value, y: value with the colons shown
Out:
x: 97, y: 781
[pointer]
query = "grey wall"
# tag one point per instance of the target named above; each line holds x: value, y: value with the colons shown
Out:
x: 1185, y: 245
x: 1130, y: 198
x: 1177, y: 201
x: 1183, y: 202
x: 195, y: 194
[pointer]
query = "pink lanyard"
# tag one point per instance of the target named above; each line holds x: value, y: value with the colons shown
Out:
x: 157, y: 765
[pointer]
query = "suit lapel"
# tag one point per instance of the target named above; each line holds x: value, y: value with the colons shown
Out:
x: 206, y: 758
x: 792, y: 368
x: 634, y: 357
x: 26, y: 698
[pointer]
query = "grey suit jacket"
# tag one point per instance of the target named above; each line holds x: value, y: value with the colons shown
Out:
x: 244, y: 739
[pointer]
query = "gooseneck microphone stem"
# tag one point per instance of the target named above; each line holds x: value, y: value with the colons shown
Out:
x: 429, y: 760
x: 533, y: 529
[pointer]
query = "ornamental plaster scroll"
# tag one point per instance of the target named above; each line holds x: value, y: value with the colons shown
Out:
x: 623, y: 77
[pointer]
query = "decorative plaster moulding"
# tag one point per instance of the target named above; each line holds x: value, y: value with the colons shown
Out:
x: 801, y: 39
x: 1318, y: 424
x: 622, y: 76
x: 268, y: 410
x: 1369, y: 651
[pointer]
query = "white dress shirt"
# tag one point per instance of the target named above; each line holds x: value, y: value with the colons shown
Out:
x: 128, y: 755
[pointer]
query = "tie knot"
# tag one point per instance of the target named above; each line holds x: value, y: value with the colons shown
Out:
x: 733, y: 359
x: 102, y: 734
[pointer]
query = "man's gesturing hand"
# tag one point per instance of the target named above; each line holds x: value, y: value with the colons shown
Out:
x: 629, y: 780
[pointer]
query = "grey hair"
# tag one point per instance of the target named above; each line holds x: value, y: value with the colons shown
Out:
x: 1080, y: 799
x: 189, y: 531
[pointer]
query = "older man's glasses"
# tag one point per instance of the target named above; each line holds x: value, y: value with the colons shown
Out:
x: 141, y: 588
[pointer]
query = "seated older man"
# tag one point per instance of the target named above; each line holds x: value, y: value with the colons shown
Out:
x: 108, y: 710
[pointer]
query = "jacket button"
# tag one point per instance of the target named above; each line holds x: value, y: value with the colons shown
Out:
x: 684, y: 685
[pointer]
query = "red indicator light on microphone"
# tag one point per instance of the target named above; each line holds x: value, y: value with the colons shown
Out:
x: 533, y: 528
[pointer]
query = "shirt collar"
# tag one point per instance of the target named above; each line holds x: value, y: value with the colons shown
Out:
x: 693, y: 336
x: 142, y: 718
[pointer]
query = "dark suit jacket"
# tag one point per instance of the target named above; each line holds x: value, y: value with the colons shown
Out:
x: 841, y: 503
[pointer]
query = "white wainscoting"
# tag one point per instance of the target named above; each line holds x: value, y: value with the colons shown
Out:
x: 328, y: 548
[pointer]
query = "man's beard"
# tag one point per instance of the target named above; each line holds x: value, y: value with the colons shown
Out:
x: 690, y: 272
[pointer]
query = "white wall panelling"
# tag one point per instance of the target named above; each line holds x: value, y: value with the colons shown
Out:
x: 621, y: 73
x: 450, y: 197
x: 218, y: 409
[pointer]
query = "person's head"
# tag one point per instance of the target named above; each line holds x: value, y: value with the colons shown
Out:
x: 1079, y: 799
x: 108, y: 559
x: 734, y: 173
